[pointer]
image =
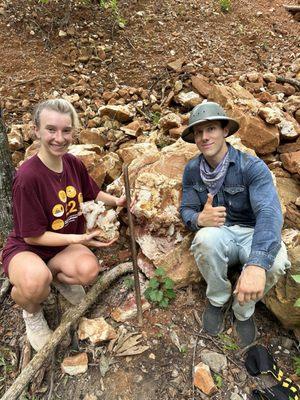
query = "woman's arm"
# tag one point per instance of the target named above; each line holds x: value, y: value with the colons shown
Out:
x: 64, y: 239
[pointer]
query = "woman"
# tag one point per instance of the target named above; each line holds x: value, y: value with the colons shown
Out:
x: 48, y: 242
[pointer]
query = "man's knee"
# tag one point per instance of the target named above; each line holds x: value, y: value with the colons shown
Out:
x: 207, y: 240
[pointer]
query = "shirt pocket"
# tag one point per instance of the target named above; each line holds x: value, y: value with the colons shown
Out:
x: 202, y: 194
x: 236, y: 197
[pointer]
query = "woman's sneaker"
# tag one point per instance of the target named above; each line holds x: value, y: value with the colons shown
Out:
x: 73, y: 293
x: 37, y: 329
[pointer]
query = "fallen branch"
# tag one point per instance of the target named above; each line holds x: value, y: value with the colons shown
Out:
x: 68, y: 319
x: 291, y: 81
x: 4, y: 290
x: 292, y: 8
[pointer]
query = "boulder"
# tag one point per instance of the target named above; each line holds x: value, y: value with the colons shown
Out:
x: 258, y: 135
x: 15, y: 138
x: 203, y: 379
x: 291, y: 161
x: 189, y: 99
x: 93, y: 136
x: 281, y: 298
x: 170, y: 120
x: 120, y: 112
x: 91, y: 156
x: 201, y: 84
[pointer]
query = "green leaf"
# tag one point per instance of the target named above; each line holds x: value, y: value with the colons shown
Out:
x: 160, y: 295
x: 296, y: 278
x: 168, y: 283
x: 164, y: 303
x: 153, y: 283
x: 160, y: 272
x: 170, y: 294
x: 153, y: 295
x: 297, y: 303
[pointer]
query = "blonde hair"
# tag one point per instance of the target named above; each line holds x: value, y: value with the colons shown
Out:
x: 60, y: 105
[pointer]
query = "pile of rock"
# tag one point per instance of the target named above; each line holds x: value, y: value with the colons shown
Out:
x: 141, y: 128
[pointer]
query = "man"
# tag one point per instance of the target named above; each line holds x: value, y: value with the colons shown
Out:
x: 230, y: 201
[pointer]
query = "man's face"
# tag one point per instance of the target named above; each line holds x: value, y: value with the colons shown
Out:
x: 55, y: 132
x: 210, y: 140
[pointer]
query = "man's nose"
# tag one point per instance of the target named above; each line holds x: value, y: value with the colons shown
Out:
x: 205, y: 134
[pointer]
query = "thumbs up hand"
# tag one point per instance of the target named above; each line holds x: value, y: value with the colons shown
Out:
x: 211, y: 216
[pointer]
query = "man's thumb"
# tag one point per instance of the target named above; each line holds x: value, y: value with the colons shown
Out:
x: 209, y: 199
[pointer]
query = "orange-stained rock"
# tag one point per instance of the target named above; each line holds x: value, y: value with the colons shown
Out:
x: 201, y: 84
x: 96, y: 330
x: 291, y: 161
x: 93, y: 136
x: 203, y: 379
x: 281, y: 298
x: 75, y: 365
x: 119, y: 112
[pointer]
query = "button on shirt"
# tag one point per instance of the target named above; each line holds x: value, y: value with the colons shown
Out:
x: 250, y: 198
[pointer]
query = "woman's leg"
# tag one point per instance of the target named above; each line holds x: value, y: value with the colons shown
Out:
x: 76, y: 264
x: 31, y: 280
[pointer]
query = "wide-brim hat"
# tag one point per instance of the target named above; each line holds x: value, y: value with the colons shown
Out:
x: 208, y: 111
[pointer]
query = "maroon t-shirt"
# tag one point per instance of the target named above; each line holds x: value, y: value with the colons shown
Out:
x: 44, y: 200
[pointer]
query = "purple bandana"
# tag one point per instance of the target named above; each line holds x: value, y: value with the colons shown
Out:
x: 213, y: 179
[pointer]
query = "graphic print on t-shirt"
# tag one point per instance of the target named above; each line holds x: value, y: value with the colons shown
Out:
x: 69, y: 210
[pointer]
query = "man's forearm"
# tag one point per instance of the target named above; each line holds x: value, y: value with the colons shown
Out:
x: 53, y: 239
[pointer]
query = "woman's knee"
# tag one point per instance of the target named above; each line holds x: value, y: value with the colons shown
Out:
x: 35, y: 285
x: 88, y: 270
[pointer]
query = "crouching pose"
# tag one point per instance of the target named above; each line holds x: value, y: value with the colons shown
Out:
x: 48, y: 242
x: 230, y: 202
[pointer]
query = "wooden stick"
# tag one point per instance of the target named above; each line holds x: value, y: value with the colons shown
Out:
x: 292, y: 8
x: 133, y: 249
x: 4, y: 289
x: 68, y: 319
x: 291, y: 81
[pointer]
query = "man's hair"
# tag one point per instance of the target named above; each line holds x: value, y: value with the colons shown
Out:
x: 223, y: 123
x: 60, y: 105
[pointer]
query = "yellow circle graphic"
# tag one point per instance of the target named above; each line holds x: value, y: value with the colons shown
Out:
x: 58, y: 210
x: 80, y: 198
x: 62, y: 196
x: 57, y: 224
x: 71, y: 191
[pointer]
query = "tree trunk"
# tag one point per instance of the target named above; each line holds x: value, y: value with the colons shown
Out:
x: 6, y: 175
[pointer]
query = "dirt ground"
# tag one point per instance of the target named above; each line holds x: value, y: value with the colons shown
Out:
x: 44, y: 48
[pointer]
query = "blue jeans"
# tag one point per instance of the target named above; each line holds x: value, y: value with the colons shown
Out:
x: 217, y: 249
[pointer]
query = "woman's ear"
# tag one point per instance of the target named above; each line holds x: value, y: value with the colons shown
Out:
x: 36, y: 132
x: 225, y: 132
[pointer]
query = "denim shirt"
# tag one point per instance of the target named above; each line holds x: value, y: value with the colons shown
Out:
x: 250, y: 199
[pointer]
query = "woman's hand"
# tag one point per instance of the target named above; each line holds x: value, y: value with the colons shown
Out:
x: 88, y: 239
x: 121, y: 202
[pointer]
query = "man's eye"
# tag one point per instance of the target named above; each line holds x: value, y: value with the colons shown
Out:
x: 51, y: 130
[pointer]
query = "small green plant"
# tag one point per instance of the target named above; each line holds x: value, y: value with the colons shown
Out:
x: 155, y: 117
x: 297, y: 365
x: 160, y: 289
x: 113, y: 5
x: 297, y: 279
x: 228, y: 342
x: 129, y: 282
x: 219, y: 380
x: 225, y: 5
